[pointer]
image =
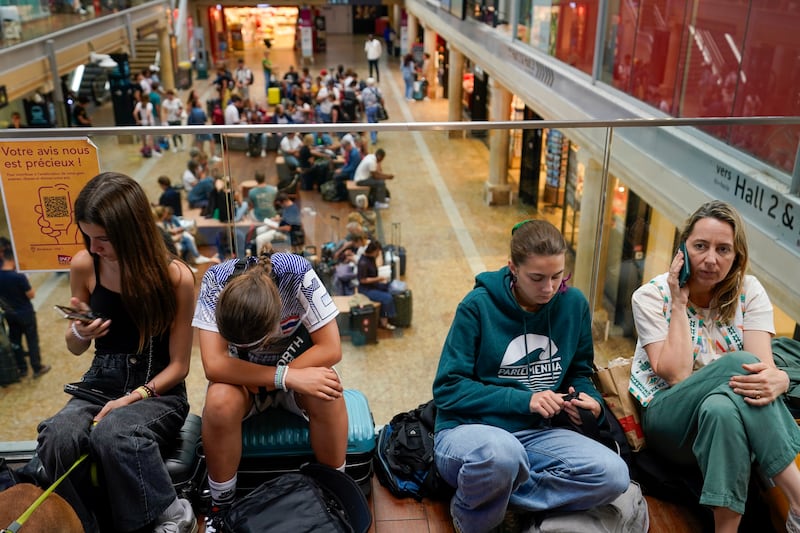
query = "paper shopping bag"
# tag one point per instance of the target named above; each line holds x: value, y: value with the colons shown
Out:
x: 612, y: 382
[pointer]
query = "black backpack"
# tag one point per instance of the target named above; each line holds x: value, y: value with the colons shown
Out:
x: 318, y: 499
x: 404, y: 456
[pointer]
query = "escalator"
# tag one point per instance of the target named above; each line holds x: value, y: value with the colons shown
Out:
x: 91, y: 81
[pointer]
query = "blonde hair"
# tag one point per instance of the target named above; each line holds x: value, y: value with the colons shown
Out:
x: 725, y: 294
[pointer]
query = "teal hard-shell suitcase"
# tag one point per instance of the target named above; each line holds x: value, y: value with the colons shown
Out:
x: 276, y: 442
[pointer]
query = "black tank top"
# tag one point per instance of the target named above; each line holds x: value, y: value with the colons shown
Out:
x: 123, y: 335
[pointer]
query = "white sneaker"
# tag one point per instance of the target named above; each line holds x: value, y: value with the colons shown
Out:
x: 183, y: 523
x: 157, y: 153
x: 216, y: 159
x: 174, y: 150
x: 263, y: 153
x: 381, y: 205
x: 82, y: 11
x: 202, y: 259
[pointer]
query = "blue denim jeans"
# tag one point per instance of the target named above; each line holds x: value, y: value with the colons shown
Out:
x: 384, y: 297
x: 372, y: 117
x: 409, y: 82
x: 125, y: 445
x: 532, y: 470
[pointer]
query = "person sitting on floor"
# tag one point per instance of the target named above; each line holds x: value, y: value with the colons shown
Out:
x: 373, y: 286
x: 519, y: 346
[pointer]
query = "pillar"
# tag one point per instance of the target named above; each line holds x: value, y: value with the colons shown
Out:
x: 589, y: 218
x: 455, y: 90
x: 659, y: 253
x: 167, y: 73
x: 411, y: 29
x: 397, y: 19
x: 497, y: 191
x: 430, y: 49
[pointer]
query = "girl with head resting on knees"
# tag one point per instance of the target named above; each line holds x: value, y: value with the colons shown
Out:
x: 520, y: 341
x: 142, y: 345
x: 248, y: 324
x: 703, y: 369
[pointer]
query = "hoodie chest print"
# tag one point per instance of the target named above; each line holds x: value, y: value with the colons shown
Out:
x: 533, y: 360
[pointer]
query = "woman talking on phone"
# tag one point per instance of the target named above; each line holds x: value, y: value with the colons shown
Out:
x: 142, y: 344
x: 704, y: 373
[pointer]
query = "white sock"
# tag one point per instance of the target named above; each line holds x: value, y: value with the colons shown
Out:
x: 222, y: 493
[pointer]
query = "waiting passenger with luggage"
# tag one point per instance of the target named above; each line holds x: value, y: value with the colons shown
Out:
x: 248, y: 314
x: 142, y: 300
x: 704, y: 370
x: 521, y: 341
x: 374, y: 286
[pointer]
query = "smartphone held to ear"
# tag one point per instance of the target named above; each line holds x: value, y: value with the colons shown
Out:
x: 686, y: 271
x: 72, y: 313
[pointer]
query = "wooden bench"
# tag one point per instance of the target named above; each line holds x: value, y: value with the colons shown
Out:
x: 354, y: 189
x: 235, y: 141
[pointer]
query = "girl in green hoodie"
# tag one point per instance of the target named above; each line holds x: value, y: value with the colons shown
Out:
x: 519, y: 342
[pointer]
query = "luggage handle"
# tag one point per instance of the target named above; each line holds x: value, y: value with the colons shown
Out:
x: 396, y: 234
x: 338, y: 223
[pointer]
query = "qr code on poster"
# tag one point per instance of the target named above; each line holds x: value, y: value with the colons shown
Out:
x: 55, y: 206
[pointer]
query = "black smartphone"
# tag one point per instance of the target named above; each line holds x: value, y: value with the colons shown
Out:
x: 686, y: 270
x: 83, y: 391
x: 76, y: 314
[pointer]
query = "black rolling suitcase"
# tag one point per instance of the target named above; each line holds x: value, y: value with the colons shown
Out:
x: 403, y: 308
x: 363, y: 325
x: 396, y: 250
x: 254, y: 144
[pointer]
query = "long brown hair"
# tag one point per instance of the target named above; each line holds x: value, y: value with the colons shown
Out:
x: 249, y: 307
x: 118, y: 204
x: 726, y: 293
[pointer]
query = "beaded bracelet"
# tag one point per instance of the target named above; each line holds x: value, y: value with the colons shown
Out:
x: 78, y: 335
x: 280, y: 377
x: 144, y: 392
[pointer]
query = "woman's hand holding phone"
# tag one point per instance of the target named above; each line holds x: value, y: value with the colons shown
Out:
x: 686, y: 270
x: 86, y: 324
x: 74, y: 313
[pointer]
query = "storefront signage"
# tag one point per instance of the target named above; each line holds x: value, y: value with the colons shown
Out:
x: 40, y: 180
x: 531, y: 66
x: 757, y: 201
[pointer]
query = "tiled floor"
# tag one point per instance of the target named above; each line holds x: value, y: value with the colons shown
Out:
x: 448, y: 231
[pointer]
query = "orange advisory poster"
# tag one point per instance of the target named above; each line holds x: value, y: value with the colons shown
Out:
x: 40, y: 180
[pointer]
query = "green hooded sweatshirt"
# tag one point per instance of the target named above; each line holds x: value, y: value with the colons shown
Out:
x: 497, y: 355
